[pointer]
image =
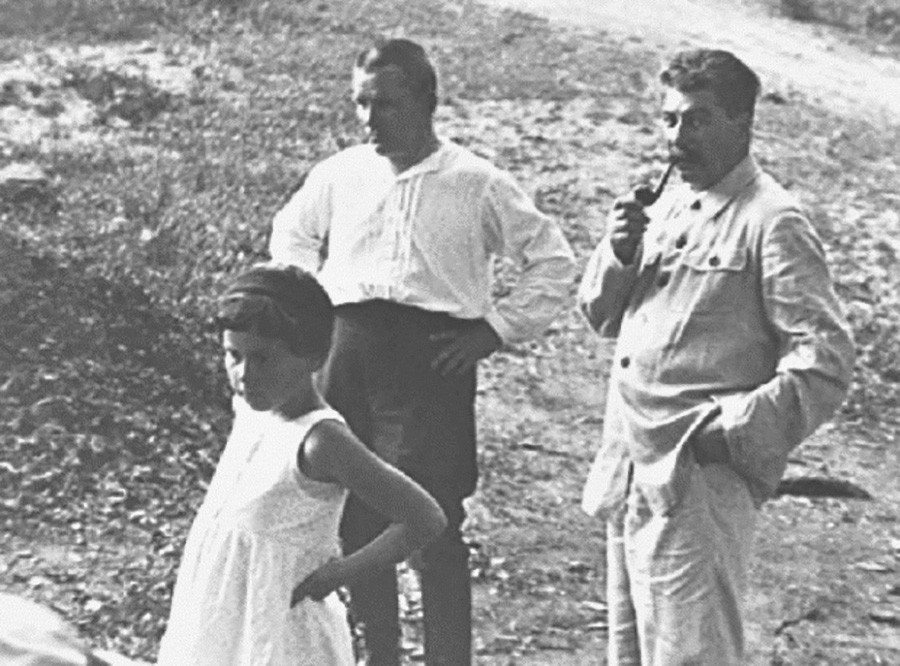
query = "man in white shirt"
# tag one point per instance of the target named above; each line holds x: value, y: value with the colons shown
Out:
x: 401, y: 231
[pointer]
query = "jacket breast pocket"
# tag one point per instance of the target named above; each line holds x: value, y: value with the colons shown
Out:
x: 716, y: 279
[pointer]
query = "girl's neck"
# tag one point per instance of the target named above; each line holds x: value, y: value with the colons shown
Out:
x: 300, y: 405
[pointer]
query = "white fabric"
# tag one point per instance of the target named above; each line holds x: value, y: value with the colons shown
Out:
x: 675, y: 580
x: 33, y: 635
x: 113, y: 659
x: 425, y: 237
x: 262, y: 528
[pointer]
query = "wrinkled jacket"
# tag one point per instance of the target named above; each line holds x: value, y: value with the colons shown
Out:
x: 729, y: 305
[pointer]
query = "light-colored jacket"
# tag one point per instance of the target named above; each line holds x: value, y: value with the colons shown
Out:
x: 728, y: 306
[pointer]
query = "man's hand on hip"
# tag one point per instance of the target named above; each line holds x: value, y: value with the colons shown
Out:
x: 461, y: 349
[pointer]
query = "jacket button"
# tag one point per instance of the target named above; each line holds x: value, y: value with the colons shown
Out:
x: 625, y: 362
x: 663, y: 280
x: 714, y: 261
x: 680, y: 242
x: 695, y: 205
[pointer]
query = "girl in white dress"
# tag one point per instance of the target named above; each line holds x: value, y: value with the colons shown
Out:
x: 262, y: 561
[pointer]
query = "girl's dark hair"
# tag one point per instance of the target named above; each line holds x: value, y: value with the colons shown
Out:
x: 283, y: 302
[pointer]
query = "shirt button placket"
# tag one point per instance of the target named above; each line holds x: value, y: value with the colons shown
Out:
x: 397, y: 220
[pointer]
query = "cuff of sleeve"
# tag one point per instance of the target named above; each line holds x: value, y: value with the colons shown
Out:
x: 503, y: 330
x: 744, y: 457
x: 729, y: 410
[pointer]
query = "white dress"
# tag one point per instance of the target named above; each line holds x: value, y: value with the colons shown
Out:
x: 263, y: 527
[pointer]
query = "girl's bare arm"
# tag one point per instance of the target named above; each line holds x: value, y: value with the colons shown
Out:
x: 332, y: 453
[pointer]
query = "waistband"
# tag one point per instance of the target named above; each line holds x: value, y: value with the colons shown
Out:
x: 383, y: 312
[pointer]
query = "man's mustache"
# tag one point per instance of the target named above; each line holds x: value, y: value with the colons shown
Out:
x: 683, y: 157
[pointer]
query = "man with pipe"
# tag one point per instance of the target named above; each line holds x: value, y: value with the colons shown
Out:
x: 409, y: 223
x: 731, y: 349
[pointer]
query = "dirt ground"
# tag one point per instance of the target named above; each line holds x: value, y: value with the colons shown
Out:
x: 792, y: 56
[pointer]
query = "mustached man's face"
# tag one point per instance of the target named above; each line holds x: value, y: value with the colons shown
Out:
x: 703, y: 140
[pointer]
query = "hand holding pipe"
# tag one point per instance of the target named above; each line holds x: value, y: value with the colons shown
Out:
x: 628, y: 222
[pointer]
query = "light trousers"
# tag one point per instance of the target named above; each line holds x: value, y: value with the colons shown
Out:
x: 675, y: 578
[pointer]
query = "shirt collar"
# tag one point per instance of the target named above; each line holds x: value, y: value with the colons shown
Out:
x: 429, y: 164
x: 713, y: 199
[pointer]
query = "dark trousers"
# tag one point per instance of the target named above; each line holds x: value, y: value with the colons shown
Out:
x: 380, y: 378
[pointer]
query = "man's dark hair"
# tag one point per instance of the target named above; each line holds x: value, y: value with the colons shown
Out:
x: 281, y: 302
x: 734, y: 84
x: 411, y: 59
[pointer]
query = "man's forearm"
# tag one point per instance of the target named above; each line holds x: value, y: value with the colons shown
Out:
x: 541, y: 293
x: 605, y: 290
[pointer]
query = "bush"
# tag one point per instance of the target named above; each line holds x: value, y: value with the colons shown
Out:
x: 799, y: 10
x: 102, y: 19
x: 877, y: 18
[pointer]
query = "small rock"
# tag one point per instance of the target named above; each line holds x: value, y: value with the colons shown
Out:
x: 885, y: 617
x: 576, y: 567
x: 874, y: 567
x: 93, y: 605
x: 52, y: 409
x: 26, y: 182
x: 39, y: 581
x: 22, y: 173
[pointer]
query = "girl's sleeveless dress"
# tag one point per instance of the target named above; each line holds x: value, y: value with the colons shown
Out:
x: 263, y: 527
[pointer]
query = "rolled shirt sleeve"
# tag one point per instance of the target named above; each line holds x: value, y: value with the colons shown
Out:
x: 300, y: 229
x: 605, y: 289
x: 515, y: 228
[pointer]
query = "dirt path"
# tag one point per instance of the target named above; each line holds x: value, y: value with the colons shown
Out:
x: 791, y: 56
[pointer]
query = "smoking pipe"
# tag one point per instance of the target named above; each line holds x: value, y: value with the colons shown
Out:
x: 646, y: 195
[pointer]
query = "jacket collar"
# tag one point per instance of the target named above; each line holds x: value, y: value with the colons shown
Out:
x: 715, y: 198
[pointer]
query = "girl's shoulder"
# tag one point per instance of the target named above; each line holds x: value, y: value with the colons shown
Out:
x: 321, y: 424
x: 326, y: 432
